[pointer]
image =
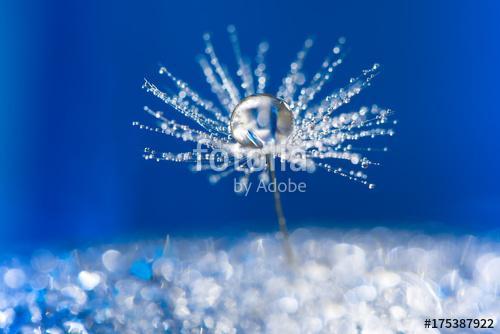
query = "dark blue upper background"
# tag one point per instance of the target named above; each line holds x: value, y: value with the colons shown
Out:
x: 70, y: 76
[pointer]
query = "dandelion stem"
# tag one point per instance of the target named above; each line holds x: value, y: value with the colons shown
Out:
x: 279, y: 210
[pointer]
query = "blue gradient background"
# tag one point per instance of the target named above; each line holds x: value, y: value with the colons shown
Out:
x: 71, y: 170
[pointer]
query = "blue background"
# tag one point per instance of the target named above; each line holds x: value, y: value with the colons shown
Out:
x: 71, y: 170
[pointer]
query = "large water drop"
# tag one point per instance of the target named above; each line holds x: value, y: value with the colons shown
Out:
x: 261, y: 120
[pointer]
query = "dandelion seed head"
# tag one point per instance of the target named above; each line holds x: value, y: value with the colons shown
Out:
x: 247, y: 123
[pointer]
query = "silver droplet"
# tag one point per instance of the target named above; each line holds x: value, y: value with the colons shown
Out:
x: 261, y: 120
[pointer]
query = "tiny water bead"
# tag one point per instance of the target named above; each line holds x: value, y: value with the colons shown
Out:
x: 261, y: 120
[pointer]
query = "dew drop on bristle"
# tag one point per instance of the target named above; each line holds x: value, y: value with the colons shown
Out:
x: 261, y: 120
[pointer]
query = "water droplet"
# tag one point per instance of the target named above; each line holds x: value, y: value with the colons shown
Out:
x: 371, y: 186
x: 213, y: 179
x: 261, y: 120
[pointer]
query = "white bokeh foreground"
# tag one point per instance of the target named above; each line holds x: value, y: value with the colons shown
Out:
x: 377, y: 281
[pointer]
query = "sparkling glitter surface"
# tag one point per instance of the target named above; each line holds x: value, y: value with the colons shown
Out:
x: 377, y: 281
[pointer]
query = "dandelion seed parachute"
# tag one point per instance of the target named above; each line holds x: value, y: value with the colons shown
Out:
x: 324, y: 134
